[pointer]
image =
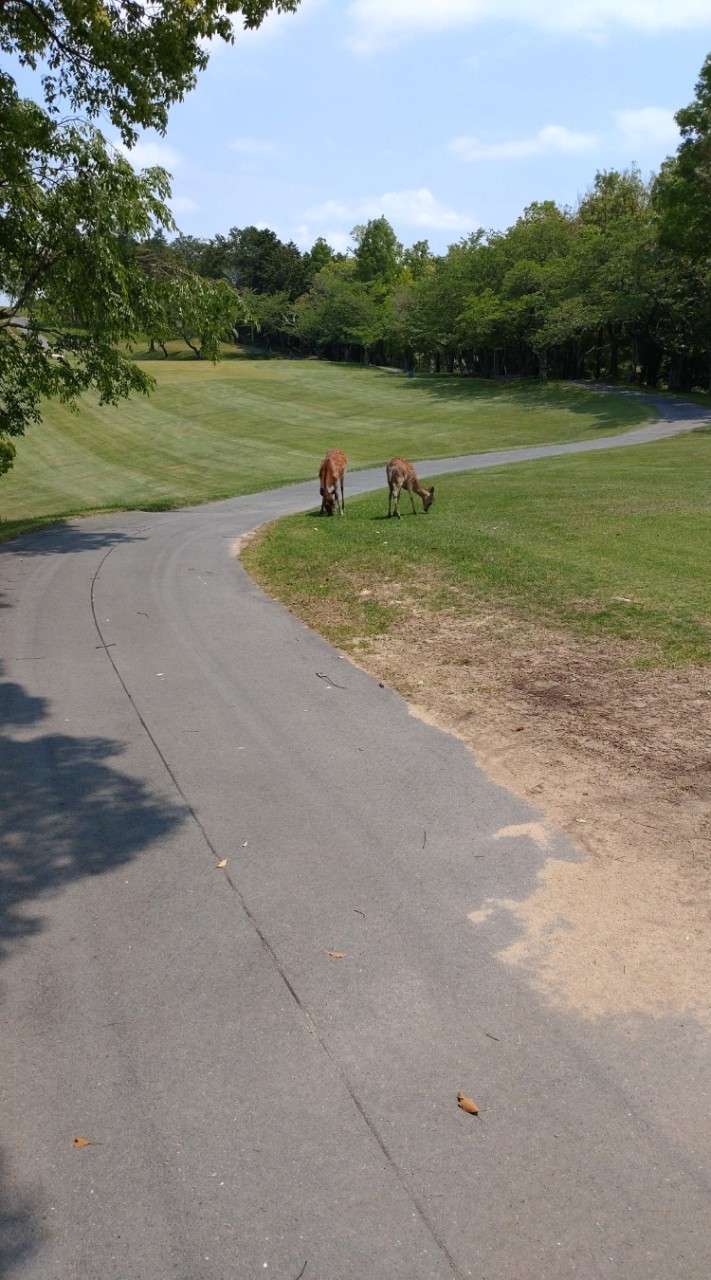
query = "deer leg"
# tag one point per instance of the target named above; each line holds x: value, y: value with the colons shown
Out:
x: 397, y: 504
x: 343, y: 499
x: 412, y: 500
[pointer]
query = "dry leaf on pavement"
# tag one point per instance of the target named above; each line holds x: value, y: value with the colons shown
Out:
x: 467, y: 1104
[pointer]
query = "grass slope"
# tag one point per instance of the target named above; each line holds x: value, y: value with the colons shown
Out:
x: 615, y: 543
x: 208, y: 431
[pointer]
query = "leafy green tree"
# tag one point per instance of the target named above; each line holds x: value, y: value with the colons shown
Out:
x: 438, y: 297
x: 71, y: 211
x: 274, y: 315
x: 339, y: 312
x: 378, y: 254
x: 194, y: 254
x: 683, y: 189
x: 318, y: 257
x: 74, y: 287
x: 130, y: 61
x: 201, y: 312
x: 417, y: 260
x: 255, y: 259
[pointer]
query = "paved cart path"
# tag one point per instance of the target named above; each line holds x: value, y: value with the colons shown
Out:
x: 254, y: 1106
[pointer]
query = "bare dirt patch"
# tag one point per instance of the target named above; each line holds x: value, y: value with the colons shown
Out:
x: 619, y: 758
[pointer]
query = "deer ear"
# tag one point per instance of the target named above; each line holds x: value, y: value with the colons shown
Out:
x: 432, y: 490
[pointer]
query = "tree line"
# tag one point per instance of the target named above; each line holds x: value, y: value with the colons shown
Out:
x: 618, y: 287
x: 90, y: 256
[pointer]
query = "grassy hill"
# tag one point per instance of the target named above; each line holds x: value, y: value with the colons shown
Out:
x: 209, y: 431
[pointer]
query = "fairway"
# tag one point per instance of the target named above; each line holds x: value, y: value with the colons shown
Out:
x: 212, y: 431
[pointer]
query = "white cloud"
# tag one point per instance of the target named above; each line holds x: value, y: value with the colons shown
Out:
x: 414, y: 208
x: 305, y: 237
x: 252, y: 147
x: 378, y: 22
x: 554, y: 139
x: 146, y: 154
x: 340, y: 241
x: 183, y: 204
x: 648, y: 129
x: 330, y: 209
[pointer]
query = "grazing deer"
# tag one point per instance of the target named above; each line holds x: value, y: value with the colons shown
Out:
x: 331, y: 474
x: 401, y: 475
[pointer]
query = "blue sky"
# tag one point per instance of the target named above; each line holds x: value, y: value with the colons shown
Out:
x: 445, y: 116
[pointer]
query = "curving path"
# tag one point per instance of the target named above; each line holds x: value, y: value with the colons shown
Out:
x: 254, y: 1106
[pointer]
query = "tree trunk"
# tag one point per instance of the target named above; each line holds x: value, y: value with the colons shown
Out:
x: 598, y: 355
x: 193, y: 348
x: 614, y: 353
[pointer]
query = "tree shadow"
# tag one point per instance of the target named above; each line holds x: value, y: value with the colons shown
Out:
x: 572, y: 397
x: 66, y: 813
x: 59, y: 537
x: 20, y: 1229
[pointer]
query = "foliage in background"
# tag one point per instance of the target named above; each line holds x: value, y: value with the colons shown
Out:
x: 616, y: 288
x: 74, y: 216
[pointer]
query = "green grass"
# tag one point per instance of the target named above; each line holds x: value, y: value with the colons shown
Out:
x: 208, y: 432
x: 607, y: 544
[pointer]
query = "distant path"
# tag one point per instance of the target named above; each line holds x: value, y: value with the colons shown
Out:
x: 677, y: 416
x: 253, y: 1105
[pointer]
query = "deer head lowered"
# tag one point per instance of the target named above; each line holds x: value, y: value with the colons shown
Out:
x: 331, y: 474
x: 401, y: 475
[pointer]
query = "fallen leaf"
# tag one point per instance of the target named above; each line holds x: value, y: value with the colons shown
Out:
x: 222, y: 863
x: 519, y: 728
x: 81, y: 1142
x: 467, y: 1104
x: 337, y: 955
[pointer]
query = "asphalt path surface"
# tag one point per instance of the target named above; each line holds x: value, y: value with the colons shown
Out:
x: 252, y: 1105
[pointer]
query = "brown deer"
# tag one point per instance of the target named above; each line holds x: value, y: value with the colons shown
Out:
x: 331, y: 474
x: 401, y: 475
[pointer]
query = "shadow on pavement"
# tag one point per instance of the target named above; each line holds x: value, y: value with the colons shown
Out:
x: 66, y: 812
x: 62, y: 537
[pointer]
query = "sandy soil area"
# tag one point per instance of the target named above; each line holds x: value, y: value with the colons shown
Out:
x: 619, y: 759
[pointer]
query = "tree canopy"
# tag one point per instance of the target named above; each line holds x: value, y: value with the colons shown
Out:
x: 72, y: 211
x: 619, y: 286
x: 683, y: 190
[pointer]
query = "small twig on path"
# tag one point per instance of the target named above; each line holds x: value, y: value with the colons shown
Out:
x: 359, y: 913
x: 496, y: 1038
x: 321, y: 676
x: 424, y: 837
x: 302, y: 1270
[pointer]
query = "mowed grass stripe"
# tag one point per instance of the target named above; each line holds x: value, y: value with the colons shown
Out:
x: 606, y: 544
x: 211, y: 431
